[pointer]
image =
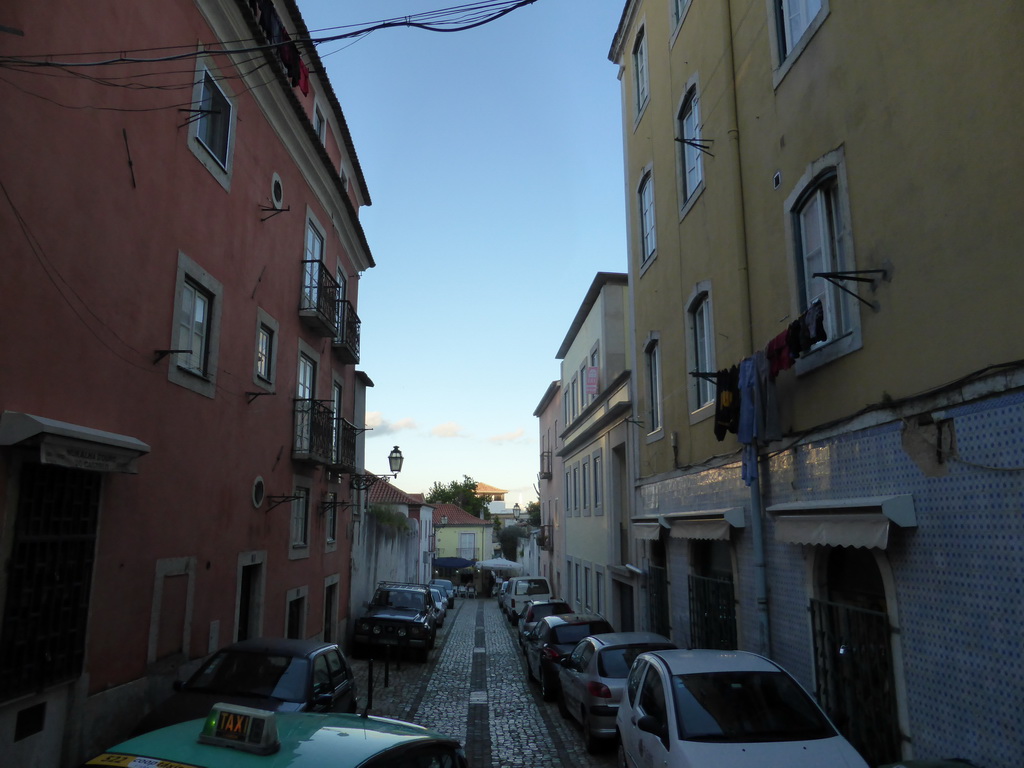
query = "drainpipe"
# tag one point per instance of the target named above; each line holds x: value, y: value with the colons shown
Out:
x: 756, y: 529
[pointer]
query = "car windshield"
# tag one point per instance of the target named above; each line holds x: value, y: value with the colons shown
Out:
x: 573, y: 633
x: 244, y: 673
x: 532, y: 587
x: 400, y: 598
x: 746, y: 707
x: 615, y: 662
x: 538, y: 612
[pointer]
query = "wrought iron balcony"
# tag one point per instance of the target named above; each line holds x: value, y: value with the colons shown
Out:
x: 544, y: 541
x: 318, y: 305
x: 346, y: 342
x: 343, y: 458
x: 314, y: 432
x: 545, y: 465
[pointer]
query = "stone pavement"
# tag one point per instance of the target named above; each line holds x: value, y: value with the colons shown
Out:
x: 474, y: 688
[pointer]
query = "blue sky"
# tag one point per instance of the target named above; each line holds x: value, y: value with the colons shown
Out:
x: 494, y: 162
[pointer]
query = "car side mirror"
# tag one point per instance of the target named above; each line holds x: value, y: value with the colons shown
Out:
x: 649, y: 724
x: 566, y: 662
x: 323, y: 699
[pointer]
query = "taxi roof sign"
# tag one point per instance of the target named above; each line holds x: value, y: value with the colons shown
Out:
x: 244, y: 728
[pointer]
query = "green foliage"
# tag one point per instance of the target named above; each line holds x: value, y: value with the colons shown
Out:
x: 533, y: 511
x: 461, y: 493
x: 508, y: 538
x: 389, y: 518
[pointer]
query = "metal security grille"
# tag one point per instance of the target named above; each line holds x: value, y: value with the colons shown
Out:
x: 47, y: 603
x: 658, y: 590
x: 853, y: 661
x: 712, y: 613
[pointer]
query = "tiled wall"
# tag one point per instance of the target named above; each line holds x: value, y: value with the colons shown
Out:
x: 958, y: 576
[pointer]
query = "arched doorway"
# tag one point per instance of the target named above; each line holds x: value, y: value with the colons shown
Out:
x: 853, y: 651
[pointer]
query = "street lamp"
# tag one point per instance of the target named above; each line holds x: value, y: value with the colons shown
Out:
x: 362, y: 482
x: 516, y: 512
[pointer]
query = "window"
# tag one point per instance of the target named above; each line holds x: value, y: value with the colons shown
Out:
x: 196, y: 328
x: 640, y: 83
x: 568, y: 494
x: 585, y: 485
x: 211, y: 125
x: 795, y: 16
x: 264, y: 347
x: 576, y: 489
x: 300, y: 518
x: 645, y: 195
x: 679, y: 9
x: 313, y: 257
x: 584, y: 399
x: 574, y: 409
x: 691, y: 169
x: 702, y: 349
x: 336, y: 436
x: 304, y: 405
x: 653, y: 368
x: 821, y: 242
x: 598, y: 480
x: 467, y: 546
x: 332, y: 517
x: 319, y: 124
x: 586, y: 588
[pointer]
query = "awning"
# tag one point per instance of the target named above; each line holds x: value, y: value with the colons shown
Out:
x: 861, y: 522
x: 452, y: 562
x: 705, y: 524
x: 646, y: 531
x: 72, y: 445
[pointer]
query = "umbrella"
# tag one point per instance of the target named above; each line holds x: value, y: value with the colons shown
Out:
x: 499, y: 564
x: 452, y: 562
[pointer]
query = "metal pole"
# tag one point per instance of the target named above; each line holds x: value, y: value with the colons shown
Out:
x: 764, y: 637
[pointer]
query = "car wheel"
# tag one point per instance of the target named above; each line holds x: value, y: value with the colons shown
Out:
x: 562, y: 709
x: 529, y: 671
x: 621, y: 762
x: 592, y: 743
x: 547, y: 689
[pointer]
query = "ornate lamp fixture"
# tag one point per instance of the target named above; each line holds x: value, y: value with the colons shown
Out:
x: 362, y: 482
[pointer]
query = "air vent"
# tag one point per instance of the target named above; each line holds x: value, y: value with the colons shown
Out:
x: 277, y: 192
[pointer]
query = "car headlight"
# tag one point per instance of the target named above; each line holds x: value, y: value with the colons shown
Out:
x: 364, y: 626
x: 376, y: 630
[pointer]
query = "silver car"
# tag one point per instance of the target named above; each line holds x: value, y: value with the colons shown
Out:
x: 593, y: 676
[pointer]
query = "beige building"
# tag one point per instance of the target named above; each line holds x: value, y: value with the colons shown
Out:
x: 825, y: 195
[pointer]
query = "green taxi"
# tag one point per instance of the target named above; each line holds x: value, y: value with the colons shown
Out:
x: 241, y: 737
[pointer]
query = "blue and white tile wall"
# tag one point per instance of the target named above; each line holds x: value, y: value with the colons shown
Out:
x: 958, y: 576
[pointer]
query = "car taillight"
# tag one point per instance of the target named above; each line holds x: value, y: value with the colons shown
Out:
x: 513, y: 602
x: 598, y: 690
x: 551, y: 653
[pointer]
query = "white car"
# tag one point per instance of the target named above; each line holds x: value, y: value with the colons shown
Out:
x: 727, y: 709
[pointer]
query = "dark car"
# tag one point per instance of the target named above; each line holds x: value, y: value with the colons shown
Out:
x: 534, y: 612
x: 273, y: 674
x: 553, y: 638
x: 399, y: 616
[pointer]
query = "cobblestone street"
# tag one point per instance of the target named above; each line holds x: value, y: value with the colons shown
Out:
x: 474, y: 688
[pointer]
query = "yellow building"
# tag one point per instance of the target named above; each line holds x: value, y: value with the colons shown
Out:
x: 826, y: 196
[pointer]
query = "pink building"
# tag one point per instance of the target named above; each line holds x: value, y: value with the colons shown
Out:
x: 179, y: 406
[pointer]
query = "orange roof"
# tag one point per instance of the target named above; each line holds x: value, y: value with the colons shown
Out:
x: 456, y: 515
x: 485, y: 489
x: 386, y: 493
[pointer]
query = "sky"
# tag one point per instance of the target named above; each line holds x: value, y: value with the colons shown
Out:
x: 493, y: 158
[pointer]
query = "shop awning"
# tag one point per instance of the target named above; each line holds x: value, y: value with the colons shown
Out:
x: 646, y: 531
x: 705, y: 524
x: 859, y: 522
x: 452, y: 562
x: 72, y: 445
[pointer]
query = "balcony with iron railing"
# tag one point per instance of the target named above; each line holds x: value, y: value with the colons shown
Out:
x: 545, y: 465
x: 346, y: 342
x: 343, y: 455
x: 318, y: 304
x: 314, y: 432
x: 544, y: 540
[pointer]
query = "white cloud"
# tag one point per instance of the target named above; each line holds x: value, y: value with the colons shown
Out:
x: 381, y: 426
x: 508, y: 437
x: 448, y: 429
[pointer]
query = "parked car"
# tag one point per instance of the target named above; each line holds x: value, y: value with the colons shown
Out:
x: 230, y: 736
x: 448, y: 587
x: 266, y: 673
x: 724, y: 708
x: 534, y: 612
x: 440, y: 600
x: 502, y: 594
x: 400, y: 616
x: 523, y: 589
x: 554, y: 637
x: 592, y: 677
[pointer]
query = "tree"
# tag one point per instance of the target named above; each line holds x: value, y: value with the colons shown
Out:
x: 462, y: 493
x: 533, y: 513
x: 508, y: 538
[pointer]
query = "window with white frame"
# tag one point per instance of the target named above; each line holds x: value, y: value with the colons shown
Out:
x: 196, y: 328
x: 576, y: 490
x: 652, y: 358
x: 821, y: 240
x: 645, y: 199
x: 679, y: 9
x: 331, y: 528
x: 300, y: 518
x: 585, y: 484
x: 795, y: 17
x: 702, y: 348
x: 313, y: 257
x: 640, y: 82
x: 264, y: 351
x: 598, y: 483
x: 691, y: 163
x: 574, y: 409
x: 568, y: 493
x: 584, y: 398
